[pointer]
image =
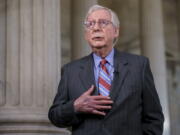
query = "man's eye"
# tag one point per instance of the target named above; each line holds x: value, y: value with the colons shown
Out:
x: 103, y: 22
x: 90, y: 23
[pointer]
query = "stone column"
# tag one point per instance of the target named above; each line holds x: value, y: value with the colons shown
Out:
x: 79, y: 9
x: 33, y: 57
x: 153, y: 46
x: 2, y: 50
x: 66, y: 31
x: 129, y: 25
x: 178, y: 22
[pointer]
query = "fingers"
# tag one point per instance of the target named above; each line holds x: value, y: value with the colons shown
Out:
x: 102, y: 107
x: 103, y: 102
x: 97, y: 112
x: 99, y: 97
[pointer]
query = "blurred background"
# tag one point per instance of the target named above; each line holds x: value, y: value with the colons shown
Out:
x: 37, y: 37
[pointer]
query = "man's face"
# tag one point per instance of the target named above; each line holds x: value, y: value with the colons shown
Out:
x: 102, y: 34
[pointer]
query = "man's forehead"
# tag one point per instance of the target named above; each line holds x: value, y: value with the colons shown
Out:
x: 99, y: 13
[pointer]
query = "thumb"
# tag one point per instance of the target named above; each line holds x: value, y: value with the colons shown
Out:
x: 90, y: 90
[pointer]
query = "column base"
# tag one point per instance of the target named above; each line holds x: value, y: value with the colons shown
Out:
x: 31, y: 129
x: 28, y: 124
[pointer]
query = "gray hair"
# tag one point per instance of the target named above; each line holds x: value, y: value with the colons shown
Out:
x: 114, y: 17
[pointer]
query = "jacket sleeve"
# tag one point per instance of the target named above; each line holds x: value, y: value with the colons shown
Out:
x: 153, y: 117
x: 62, y: 113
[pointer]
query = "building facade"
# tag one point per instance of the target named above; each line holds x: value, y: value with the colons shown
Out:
x: 37, y: 37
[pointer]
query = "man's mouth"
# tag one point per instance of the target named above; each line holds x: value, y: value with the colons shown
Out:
x: 98, y: 38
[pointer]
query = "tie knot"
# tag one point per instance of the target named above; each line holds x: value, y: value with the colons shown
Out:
x: 103, y: 62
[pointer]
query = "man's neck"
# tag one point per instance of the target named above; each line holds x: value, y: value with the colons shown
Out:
x: 102, y: 52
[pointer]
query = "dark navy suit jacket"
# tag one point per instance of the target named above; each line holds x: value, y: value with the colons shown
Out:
x: 136, y: 109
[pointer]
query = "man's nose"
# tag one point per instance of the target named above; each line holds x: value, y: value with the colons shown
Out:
x: 97, y: 26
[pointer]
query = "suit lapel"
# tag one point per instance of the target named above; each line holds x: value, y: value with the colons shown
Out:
x: 87, y: 73
x: 120, y: 73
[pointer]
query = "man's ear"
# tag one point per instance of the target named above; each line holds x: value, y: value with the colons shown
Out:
x: 116, y: 31
x: 85, y: 35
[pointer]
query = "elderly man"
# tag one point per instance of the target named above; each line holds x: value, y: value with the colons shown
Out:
x: 107, y: 92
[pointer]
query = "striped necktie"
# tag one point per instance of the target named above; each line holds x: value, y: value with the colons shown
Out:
x: 104, y: 79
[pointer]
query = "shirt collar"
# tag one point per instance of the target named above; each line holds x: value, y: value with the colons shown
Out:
x: 109, y: 58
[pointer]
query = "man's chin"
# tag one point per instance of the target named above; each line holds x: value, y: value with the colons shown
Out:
x: 98, y: 46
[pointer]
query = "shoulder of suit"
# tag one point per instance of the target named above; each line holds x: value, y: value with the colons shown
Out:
x: 131, y: 58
